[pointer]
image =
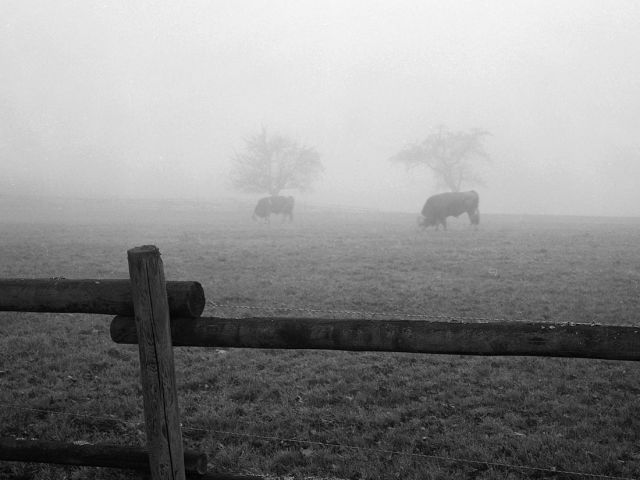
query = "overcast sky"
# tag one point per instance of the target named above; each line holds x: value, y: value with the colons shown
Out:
x: 151, y: 99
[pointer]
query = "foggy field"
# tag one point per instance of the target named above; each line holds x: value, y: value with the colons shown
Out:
x: 410, y: 416
x: 125, y: 124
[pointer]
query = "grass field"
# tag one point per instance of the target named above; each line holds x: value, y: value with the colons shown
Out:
x: 333, y: 414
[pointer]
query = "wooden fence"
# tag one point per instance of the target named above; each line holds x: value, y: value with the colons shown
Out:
x: 167, y: 314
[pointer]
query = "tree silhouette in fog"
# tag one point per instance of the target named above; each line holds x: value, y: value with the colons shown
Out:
x: 271, y: 163
x: 451, y: 156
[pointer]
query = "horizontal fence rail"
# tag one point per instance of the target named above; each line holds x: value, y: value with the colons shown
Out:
x: 105, y: 455
x: 414, y: 336
x: 109, y: 297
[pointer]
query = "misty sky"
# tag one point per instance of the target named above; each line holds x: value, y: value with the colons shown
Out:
x: 151, y: 99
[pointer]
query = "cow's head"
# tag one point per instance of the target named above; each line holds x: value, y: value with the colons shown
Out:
x: 426, y: 221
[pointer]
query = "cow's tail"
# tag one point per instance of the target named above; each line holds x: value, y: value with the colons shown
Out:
x: 475, y: 218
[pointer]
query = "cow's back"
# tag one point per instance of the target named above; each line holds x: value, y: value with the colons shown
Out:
x: 280, y: 204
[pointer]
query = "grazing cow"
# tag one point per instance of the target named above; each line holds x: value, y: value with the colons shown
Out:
x: 450, y: 204
x: 275, y: 204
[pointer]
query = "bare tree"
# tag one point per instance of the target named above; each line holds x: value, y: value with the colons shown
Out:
x: 273, y: 163
x: 451, y: 156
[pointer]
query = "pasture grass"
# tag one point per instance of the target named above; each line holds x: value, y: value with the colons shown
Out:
x: 336, y: 414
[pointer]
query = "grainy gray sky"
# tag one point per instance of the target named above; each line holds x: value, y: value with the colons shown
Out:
x: 150, y: 99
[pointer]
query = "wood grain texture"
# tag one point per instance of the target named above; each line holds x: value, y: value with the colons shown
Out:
x: 229, y: 476
x: 417, y: 336
x: 162, y: 421
x: 109, y: 297
x: 105, y: 455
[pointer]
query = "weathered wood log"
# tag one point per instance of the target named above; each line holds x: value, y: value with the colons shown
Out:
x: 110, y: 297
x: 416, y: 336
x: 227, y: 476
x: 105, y: 455
x: 162, y: 418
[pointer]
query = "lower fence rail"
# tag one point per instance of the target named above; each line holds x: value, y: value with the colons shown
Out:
x: 91, y: 455
x: 578, y: 340
x: 104, y: 455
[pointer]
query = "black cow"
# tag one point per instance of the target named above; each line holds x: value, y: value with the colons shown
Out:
x: 274, y: 204
x: 450, y: 204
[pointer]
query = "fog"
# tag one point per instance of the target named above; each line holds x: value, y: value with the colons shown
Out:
x: 152, y: 99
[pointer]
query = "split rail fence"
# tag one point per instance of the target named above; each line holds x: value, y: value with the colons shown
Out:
x: 158, y: 315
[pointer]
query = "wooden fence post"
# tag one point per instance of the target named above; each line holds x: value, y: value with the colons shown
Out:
x: 164, y: 435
